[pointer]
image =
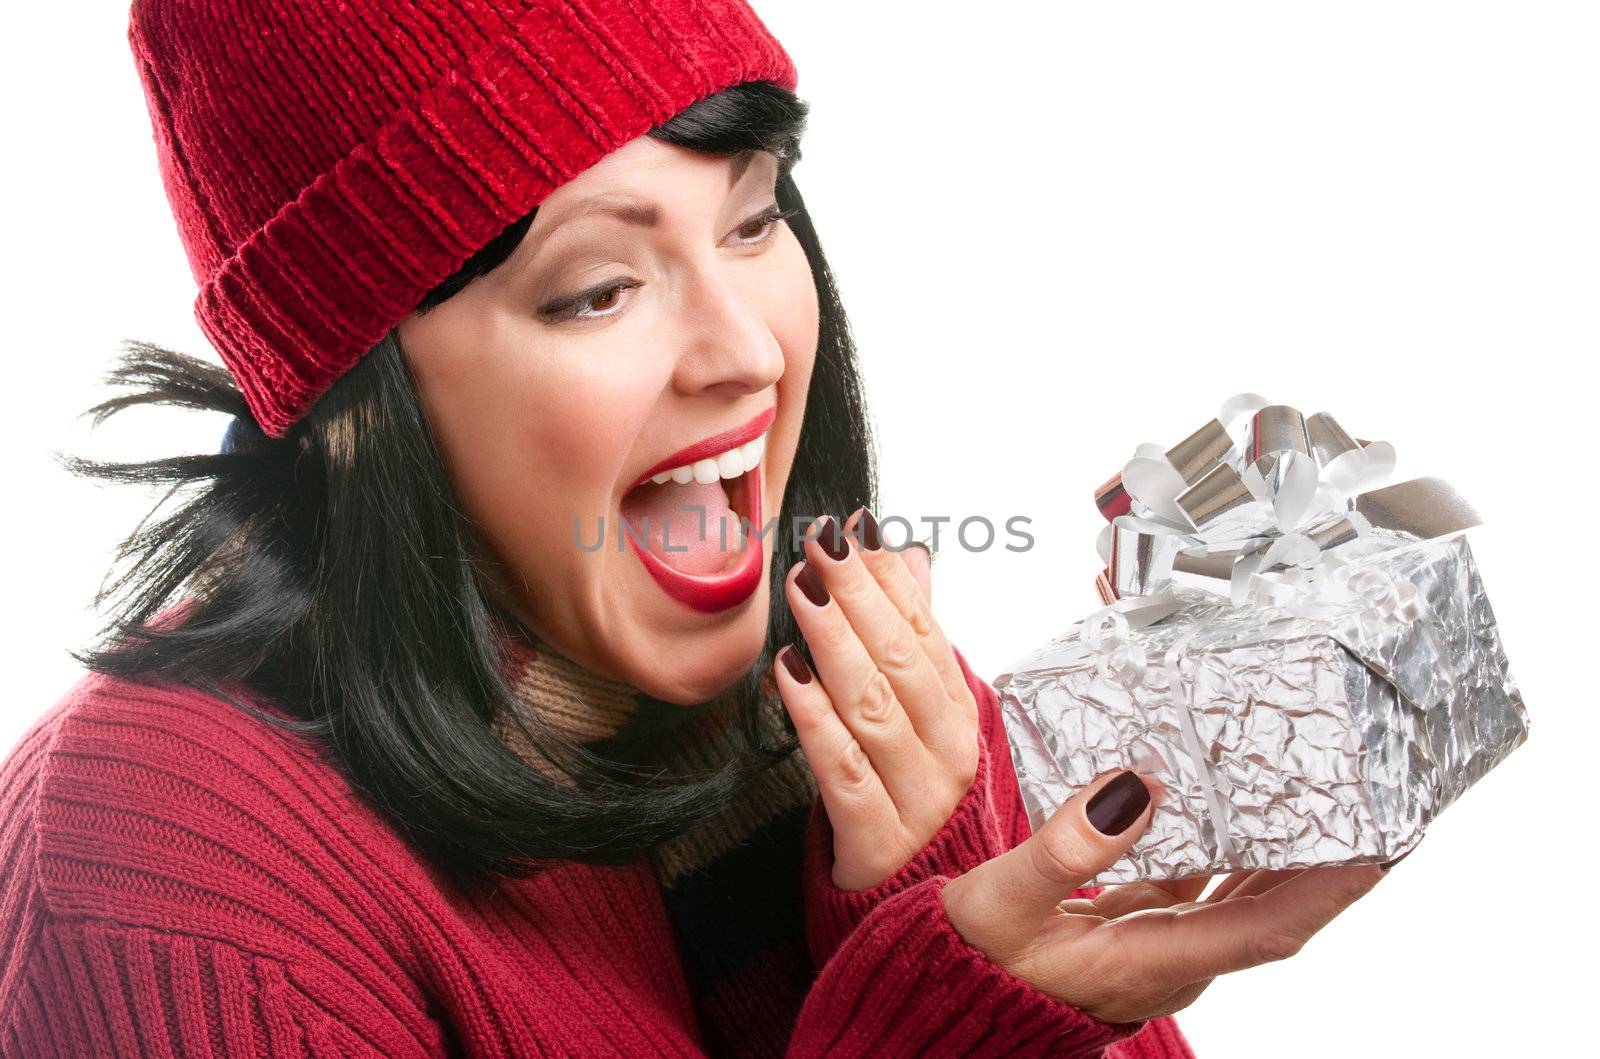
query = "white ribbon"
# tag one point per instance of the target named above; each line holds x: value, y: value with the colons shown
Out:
x: 1278, y: 500
x: 1211, y: 785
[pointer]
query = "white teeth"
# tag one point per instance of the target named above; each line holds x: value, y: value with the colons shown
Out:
x: 706, y: 472
x: 730, y: 464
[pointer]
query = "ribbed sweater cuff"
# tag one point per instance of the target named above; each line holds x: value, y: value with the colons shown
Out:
x: 969, y: 837
x: 906, y: 983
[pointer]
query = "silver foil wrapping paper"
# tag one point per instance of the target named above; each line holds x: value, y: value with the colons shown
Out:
x: 1290, y: 741
x: 1306, y: 662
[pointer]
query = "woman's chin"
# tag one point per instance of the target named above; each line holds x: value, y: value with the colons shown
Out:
x: 702, y: 666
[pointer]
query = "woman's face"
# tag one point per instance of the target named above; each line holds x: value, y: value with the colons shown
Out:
x: 653, y: 319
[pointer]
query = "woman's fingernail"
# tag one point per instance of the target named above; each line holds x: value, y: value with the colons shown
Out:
x: 795, y: 664
x: 1115, y: 807
x: 810, y: 583
x: 870, y: 538
x: 833, y: 542
x: 1386, y: 865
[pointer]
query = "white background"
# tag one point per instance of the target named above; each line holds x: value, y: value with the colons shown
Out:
x: 1061, y: 230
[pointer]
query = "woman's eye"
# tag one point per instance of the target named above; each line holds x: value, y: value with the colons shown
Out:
x: 762, y: 226
x: 602, y: 304
x: 597, y: 303
x: 592, y: 304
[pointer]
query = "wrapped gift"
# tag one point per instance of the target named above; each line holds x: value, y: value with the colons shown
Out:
x: 1304, y: 657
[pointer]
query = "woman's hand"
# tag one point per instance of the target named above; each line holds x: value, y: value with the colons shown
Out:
x: 887, y: 723
x: 1144, y: 949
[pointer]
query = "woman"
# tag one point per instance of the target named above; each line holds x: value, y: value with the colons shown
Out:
x: 459, y: 709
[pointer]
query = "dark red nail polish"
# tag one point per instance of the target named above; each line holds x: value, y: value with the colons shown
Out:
x: 795, y: 664
x: 833, y: 542
x: 1115, y: 807
x: 870, y: 538
x: 810, y: 583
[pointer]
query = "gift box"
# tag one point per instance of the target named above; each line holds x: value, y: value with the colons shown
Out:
x: 1304, y: 657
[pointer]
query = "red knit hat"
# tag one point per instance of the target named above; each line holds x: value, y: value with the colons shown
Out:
x: 331, y: 161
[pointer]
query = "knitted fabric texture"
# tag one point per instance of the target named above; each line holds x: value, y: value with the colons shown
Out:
x: 329, y: 162
x: 731, y: 885
x: 178, y: 877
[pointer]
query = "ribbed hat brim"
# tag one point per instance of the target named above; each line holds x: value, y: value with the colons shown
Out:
x: 299, y: 302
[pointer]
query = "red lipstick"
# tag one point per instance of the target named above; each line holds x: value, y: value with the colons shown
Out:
x: 715, y: 445
x: 711, y: 593
x: 715, y: 592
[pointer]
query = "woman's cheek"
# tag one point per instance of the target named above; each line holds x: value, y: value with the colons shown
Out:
x: 802, y: 327
x: 800, y: 335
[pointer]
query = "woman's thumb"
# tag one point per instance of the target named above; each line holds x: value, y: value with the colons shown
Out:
x: 1004, y: 899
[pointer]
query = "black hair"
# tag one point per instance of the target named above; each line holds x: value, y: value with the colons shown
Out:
x: 331, y: 574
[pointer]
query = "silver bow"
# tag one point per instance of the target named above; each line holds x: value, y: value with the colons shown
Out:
x: 1269, y: 518
x: 1257, y: 516
x: 1274, y: 519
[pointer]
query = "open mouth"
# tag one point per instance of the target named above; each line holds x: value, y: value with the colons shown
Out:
x: 687, y: 518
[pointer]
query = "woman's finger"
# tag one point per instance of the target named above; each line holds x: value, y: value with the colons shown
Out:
x: 891, y: 643
x: 1115, y: 901
x: 1186, y: 889
x: 858, y: 806
x: 918, y: 561
x: 861, y: 694
x: 1228, y: 885
x: 1076, y: 906
x: 1137, y: 896
x: 899, y: 586
x: 1256, y: 883
x: 1206, y: 940
x: 1250, y: 882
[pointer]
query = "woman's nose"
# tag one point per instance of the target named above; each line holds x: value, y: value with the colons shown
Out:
x: 729, y: 345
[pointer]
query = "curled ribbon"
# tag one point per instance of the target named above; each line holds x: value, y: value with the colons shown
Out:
x: 1106, y: 632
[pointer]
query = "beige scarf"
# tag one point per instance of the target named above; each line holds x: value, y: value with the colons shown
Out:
x: 589, y: 708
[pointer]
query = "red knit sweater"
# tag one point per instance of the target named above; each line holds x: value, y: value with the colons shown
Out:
x: 178, y: 878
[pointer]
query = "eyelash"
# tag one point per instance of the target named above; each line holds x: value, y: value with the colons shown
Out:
x: 566, y: 308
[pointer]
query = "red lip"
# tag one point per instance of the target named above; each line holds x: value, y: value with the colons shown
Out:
x: 712, y: 446
x: 710, y: 594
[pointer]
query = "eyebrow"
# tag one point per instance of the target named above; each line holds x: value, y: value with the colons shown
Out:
x: 646, y: 216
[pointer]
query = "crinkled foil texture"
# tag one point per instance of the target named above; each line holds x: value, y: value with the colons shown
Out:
x: 1331, y: 739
